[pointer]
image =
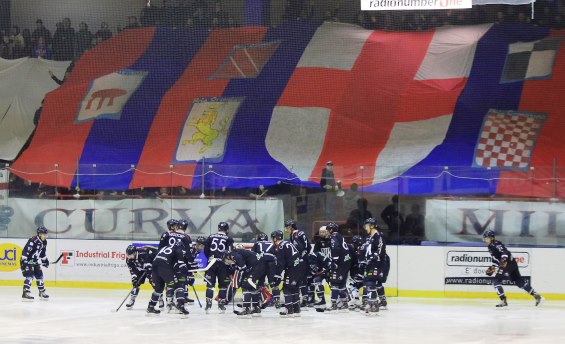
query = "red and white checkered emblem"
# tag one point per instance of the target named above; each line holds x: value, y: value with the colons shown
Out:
x: 507, y: 139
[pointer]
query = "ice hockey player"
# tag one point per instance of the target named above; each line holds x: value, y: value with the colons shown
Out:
x: 357, y: 271
x: 302, y: 244
x: 216, y: 245
x: 319, y: 267
x: 322, y: 246
x: 253, y: 269
x: 171, y: 227
x: 185, y: 277
x: 33, y: 257
x: 139, y: 262
x: 375, y: 255
x: 293, y: 267
x: 504, y: 267
x: 167, y: 259
x: 339, y: 269
x: 265, y: 247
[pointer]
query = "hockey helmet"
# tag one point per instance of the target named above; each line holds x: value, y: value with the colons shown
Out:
x: 357, y: 240
x: 371, y: 221
x: 223, y: 226
x: 131, y: 250
x: 262, y: 237
x: 488, y: 234
x: 290, y: 223
x: 278, y: 235
x: 171, y: 224
x: 332, y: 227
x: 183, y: 224
x: 201, y: 240
x: 41, y: 230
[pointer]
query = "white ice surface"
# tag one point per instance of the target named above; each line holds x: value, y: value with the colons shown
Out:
x: 74, y: 316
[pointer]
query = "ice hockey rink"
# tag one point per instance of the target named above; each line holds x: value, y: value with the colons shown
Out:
x: 88, y: 316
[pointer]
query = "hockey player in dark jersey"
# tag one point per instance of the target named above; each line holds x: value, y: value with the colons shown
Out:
x: 184, y: 277
x: 253, y: 269
x: 33, y: 257
x: 322, y: 246
x: 319, y: 267
x: 167, y: 259
x: 302, y: 244
x: 375, y: 255
x: 289, y: 263
x: 357, y: 271
x: 216, y: 245
x: 171, y: 227
x: 139, y: 262
x: 504, y: 267
x: 339, y: 268
x: 267, y: 248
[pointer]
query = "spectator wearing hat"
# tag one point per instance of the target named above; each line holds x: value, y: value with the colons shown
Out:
x: 329, y: 185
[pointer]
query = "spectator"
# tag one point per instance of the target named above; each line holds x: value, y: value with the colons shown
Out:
x: 414, y: 225
x: 5, y: 46
x: 84, y: 39
x: 28, y: 42
x: 392, y: 217
x: 104, y: 33
x: 42, y: 50
x: 358, y: 216
x: 18, y: 48
x: 41, y: 31
x: 63, y: 41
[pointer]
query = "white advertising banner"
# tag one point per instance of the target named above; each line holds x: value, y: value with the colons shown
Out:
x: 376, y: 5
x: 520, y: 223
x: 468, y: 266
x: 142, y: 219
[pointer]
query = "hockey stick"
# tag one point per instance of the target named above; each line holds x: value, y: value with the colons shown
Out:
x: 197, y: 298
x: 55, y: 262
x: 129, y: 293
x: 58, y: 259
x: 208, y: 266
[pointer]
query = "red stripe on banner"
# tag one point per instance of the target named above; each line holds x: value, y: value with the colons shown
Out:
x: 369, y: 108
x: 540, y: 96
x: 194, y: 83
x: 315, y: 87
x: 57, y: 139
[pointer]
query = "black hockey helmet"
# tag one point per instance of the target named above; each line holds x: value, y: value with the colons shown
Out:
x: 357, y: 240
x: 223, y: 226
x: 172, y: 223
x: 41, y: 230
x: 290, y: 223
x: 183, y: 224
x: 277, y: 235
x: 131, y: 250
x: 332, y: 227
x: 201, y: 240
x: 262, y: 237
x: 371, y: 221
x: 488, y: 234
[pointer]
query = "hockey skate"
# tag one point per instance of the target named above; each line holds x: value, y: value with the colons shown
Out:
x: 538, y: 298
x: 333, y: 308
x: 208, y: 306
x: 182, y: 310
x: 256, y: 311
x: 383, y: 304
x: 320, y: 303
x: 131, y: 302
x: 43, y: 296
x: 161, y: 303
x: 286, y: 313
x: 372, y: 309
x: 246, y: 313
x: 502, y: 303
x: 152, y: 311
x: 26, y: 296
x: 342, y: 307
x: 222, y: 306
x: 277, y: 303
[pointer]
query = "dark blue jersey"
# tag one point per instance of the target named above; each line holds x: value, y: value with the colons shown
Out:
x: 34, y: 250
x: 339, y: 248
x: 142, y: 262
x: 300, y: 241
x: 323, y: 245
x: 264, y: 247
x: 499, y: 252
x: 172, y: 255
x: 287, y: 256
x: 245, y: 260
x: 375, y: 250
x: 217, y: 244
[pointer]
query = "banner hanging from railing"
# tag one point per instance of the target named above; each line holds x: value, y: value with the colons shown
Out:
x: 142, y: 219
x: 514, y: 222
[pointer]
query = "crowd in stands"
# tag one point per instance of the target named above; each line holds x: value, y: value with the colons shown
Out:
x: 66, y: 43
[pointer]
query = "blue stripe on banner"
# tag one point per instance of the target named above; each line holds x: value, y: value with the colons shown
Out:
x: 246, y: 141
x: 123, y: 140
x: 482, y: 92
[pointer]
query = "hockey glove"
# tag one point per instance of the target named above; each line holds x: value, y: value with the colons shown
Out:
x: 147, y: 267
x: 45, y: 262
x: 190, y: 280
x: 490, y: 270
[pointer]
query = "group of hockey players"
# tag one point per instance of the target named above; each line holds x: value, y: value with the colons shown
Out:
x: 300, y: 267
